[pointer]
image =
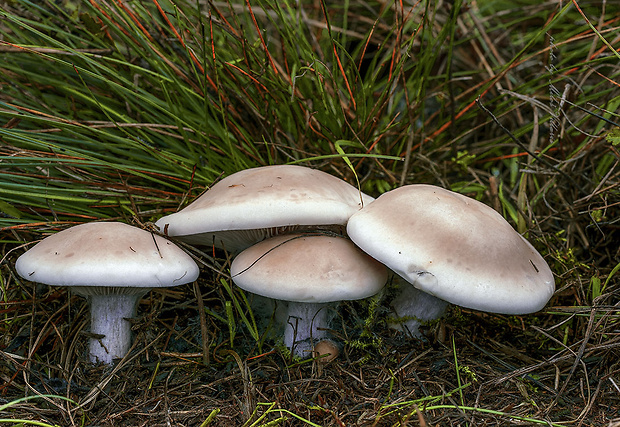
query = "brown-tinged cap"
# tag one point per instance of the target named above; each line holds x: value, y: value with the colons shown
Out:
x: 247, y: 206
x: 308, y: 269
x: 107, y: 254
x: 455, y: 248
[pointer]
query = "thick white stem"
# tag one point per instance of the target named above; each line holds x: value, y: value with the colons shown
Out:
x: 415, y: 308
x: 108, y: 314
x: 302, y: 326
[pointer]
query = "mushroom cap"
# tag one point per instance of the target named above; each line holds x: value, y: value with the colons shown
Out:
x: 264, y: 198
x: 454, y: 248
x: 326, y: 350
x: 308, y: 269
x: 110, y: 254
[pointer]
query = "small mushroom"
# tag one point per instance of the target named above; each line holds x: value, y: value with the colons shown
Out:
x: 251, y: 205
x: 113, y: 265
x: 326, y: 351
x: 454, y: 248
x: 312, y: 273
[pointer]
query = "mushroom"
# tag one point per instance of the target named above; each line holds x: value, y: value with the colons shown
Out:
x: 454, y: 248
x: 311, y: 273
x: 326, y: 351
x: 251, y: 205
x: 113, y: 265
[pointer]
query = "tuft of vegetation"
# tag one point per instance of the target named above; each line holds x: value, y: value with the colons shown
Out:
x: 125, y: 110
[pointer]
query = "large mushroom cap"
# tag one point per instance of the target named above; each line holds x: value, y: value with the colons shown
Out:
x: 455, y: 248
x: 308, y: 269
x: 107, y: 254
x: 262, y: 198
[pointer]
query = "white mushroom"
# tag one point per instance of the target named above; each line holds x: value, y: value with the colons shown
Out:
x: 309, y: 272
x: 113, y: 265
x: 453, y: 248
x: 251, y: 205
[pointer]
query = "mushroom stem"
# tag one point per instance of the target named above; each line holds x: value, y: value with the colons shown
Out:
x: 304, y: 324
x: 109, y: 314
x: 415, y: 308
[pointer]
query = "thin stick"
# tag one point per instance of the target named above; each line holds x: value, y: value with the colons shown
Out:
x: 203, y: 324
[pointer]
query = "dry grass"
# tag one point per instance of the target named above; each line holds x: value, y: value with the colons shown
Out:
x: 476, y: 369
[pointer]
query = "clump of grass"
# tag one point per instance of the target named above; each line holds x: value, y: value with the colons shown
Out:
x: 119, y: 122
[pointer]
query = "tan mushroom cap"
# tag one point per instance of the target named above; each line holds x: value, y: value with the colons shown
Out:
x: 326, y: 350
x: 263, y: 198
x: 107, y: 254
x: 455, y: 248
x: 308, y: 269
